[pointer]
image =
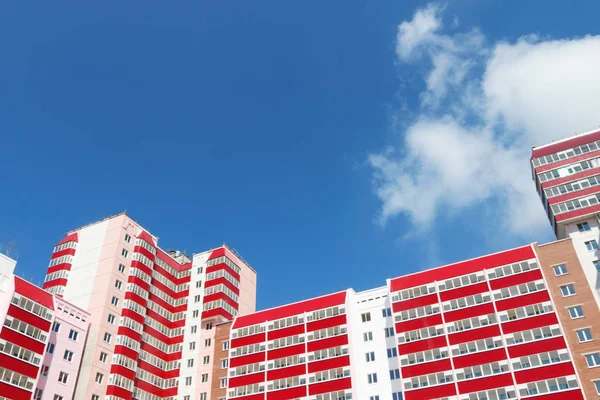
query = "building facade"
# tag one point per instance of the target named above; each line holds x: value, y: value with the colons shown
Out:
x: 567, y: 178
x: 497, y: 327
x: 41, y: 340
x: 152, y: 312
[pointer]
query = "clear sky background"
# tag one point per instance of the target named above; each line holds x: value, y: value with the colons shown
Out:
x: 333, y: 143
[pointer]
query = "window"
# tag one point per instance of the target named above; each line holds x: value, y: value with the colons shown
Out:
x: 118, y: 284
x: 366, y: 317
x: 389, y: 332
x: 73, y: 335
x: 392, y: 352
x: 368, y: 336
x: 50, y: 348
x: 206, y: 360
x: 596, y: 264
x: 199, y: 284
x: 188, y: 380
x: 567, y: 290
x: 224, y: 363
x: 591, y: 245
x: 575, y: 312
x: 203, y: 396
x: 370, y: 356
x: 124, y: 253
x: 209, y: 326
x: 68, y: 355
x: 38, y: 394
x: 121, y: 268
x: 127, y: 238
x: 187, y: 397
x: 583, y: 227
x: 190, y: 363
x: 376, y: 397
x: 195, y: 314
x: 197, y: 298
x: 58, y: 397
x: 394, y: 374
x: 114, y: 301
x: 372, y: 378
x: 204, y: 378
x: 111, y: 319
x: 223, y: 383
x: 597, y: 385
x: 397, y: 396
x: 103, y: 357
x: 387, y: 312
x: 584, y: 335
x: 107, y: 337
x: 560, y: 270
x: 593, y: 360
x: 95, y: 397
x: 56, y: 326
x: 192, y: 345
x: 45, y: 369
x: 194, y: 329
x: 226, y: 345
x: 99, y: 378
x: 63, y: 377
x: 207, y: 342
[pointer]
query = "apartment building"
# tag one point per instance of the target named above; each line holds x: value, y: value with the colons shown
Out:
x: 38, y: 359
x: 516, y: 324
x: 153, y: 312
x: 566, y: 174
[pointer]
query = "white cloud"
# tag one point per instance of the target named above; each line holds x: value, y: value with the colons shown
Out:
x: 525, y: 93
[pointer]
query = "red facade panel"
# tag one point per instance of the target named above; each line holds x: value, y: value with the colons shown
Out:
x: 575, y: 394
x: 464, y: 291
x: 286, y: 372
x: 326, y: 323
x: 434, y: 392
x: 248, y: 340
x: 545, y: 372
x: 483, y: 357
x: 285, y: 332
x: 523, y: 300
x: 22, y: 340
x: 330, y: 363
x: 487, y: 383
x: 565, y: 144
x: 469, y: 312
x: 247, y: 359
x: 17, y: 365
x: 290, y: 310
x: 329, y: 386
x: 426, y: 368
x: 516, y: 279
x: 286, y: 394
x: 422, y: 345
x: 529, y: 323
x: 577, y: 213
x: 244, y: 380
x: 418, y: 323
x: 462, y: 268
x: 334, y: 341
x: 474, y: 334
x: 414, y: 303
x: 285, y: 351
x: 535, y: 347
x: 29, y: 318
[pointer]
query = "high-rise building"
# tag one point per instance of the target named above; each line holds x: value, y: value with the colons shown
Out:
x: 515, y: 324
x: 41, y: 340
x: 152, y: 312
x: 567, y: 178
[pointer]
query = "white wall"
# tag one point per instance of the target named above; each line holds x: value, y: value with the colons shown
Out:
x: 374, y: 302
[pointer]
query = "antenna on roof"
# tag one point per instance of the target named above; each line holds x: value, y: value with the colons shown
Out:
x: 9, y: 249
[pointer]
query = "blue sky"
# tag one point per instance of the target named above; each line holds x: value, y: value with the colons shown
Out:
x: 299, y: 133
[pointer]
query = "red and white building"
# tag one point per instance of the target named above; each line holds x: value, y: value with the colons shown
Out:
x: 152, y: 312
x: 41, y: 340
x: 495, y: 327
